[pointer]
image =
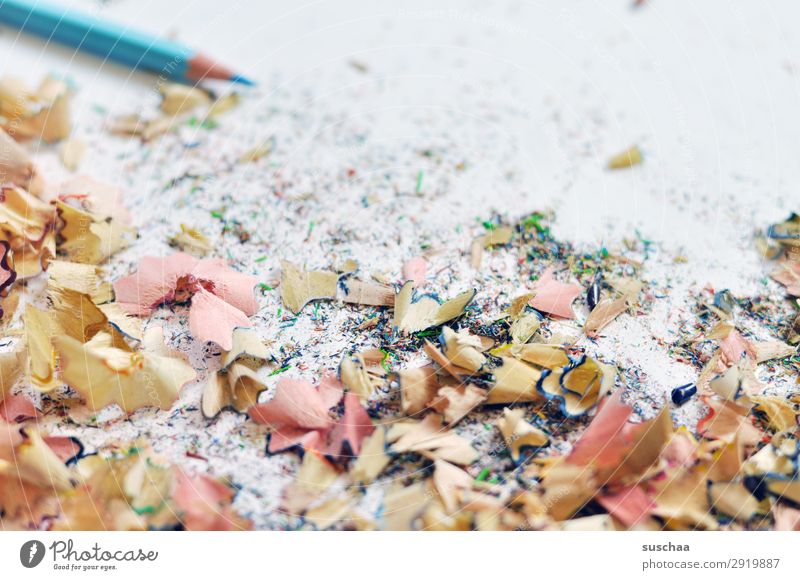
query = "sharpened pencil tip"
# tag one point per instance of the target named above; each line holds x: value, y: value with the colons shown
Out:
x: 243, y: 80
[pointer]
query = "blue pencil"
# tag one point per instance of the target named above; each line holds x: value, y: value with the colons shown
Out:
x: 113, y: 42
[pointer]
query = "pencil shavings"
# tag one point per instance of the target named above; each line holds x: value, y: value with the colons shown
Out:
x: 431, y: 439
x: 9, y: 305
x: 520, y: 437
x: 28, y: 225
x: 787, y: 519
x: 311, y: 481
x: 224, y: 104
x: 787, y: 234
x: 101, y: 200
x: 603, y: 314
x: 373, y: 458
x: 681, y: 499
x: 72, y: 152
x: 595, y: 444
x: 543, y: 355
x: 732, y: 499
x: 414, y: 313
x: 7, y: 273
x: 86, y: 239
x: 446, y: 365
x: 514, y: 382
x: 147, y: 483
x: 567, y: 488
x: 620, y: 451
x: 67, y: 275
x: 40, y: 114
x: 415, y: 270
x: 31, y: 476
x: 734, y: 347
x: 104, y: 374
x: 136, y: 489
x: 16, y: 166
x: 450, y: 482
x: 772, y: 349
x: 236, y: 388
x: 41, y: 364
x: 299, y: 287
x: 73, y: 293
x: 121, y: 321
x: 524, y: 327
x: 727, y: 420
x: 11, y: 368
x: 17, y: 409
x: 628, y: 287
x: 498, y: 236
x: 179, y: 98
x: 362, y: 373
x: 625, y: 159
x: 630, y: 505
x: 418, y: 387
x: 299, y: 414
x: 246, y: 346
x: 347, y: 435
x: 365, y: 293
x: 554, y: 298
x: 204, y: 503
x: 258, y: 152
x: 404, y: 506
x: 192, y: 241
x: 454, y: 402
x: 788, y: 274
x: 462, y: 349
x: 780, y: 414
x: 730, y: 384
x: 75, y: 315
x: 577, y: 387
x: 146, y: 129
x: 329, y: 512
x: 221, y: 299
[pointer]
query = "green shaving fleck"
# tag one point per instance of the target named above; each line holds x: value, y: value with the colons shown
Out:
x: 387, y: 354
x: 149, y: 509
x: 483, y: 474
x: 261, y: 259
x: 283, y: 369
x: 426, y: 333
x: 419, y: 181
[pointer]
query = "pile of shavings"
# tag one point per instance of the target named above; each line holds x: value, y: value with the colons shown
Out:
x: 782, y: 245
x: 737, y: 469
x: 48, y: 482
x: 397, y: 418
x: 59, y: 237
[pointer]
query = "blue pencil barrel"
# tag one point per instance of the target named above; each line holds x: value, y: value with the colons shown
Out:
x: 104, y: 39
